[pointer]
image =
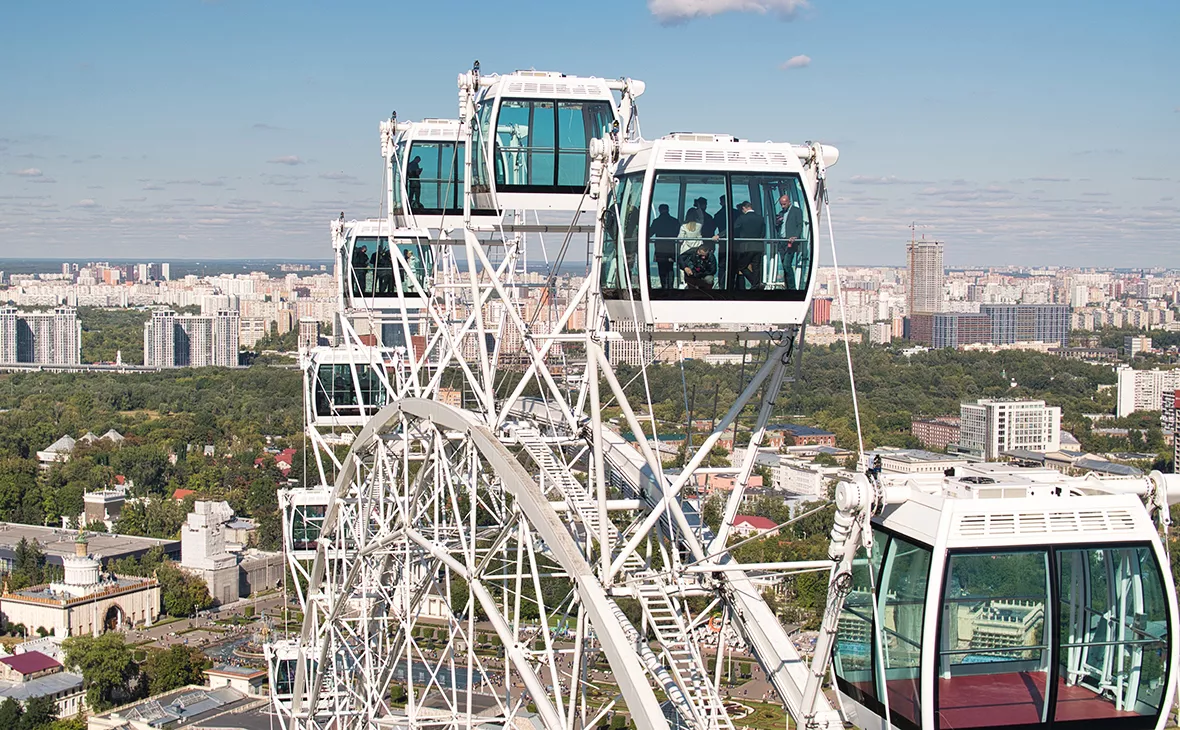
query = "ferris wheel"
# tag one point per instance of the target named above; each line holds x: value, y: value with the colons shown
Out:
x: 484, y: 549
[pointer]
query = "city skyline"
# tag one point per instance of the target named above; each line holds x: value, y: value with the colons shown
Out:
x: 204, y: 129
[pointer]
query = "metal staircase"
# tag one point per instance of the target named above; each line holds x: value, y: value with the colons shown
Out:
x: 696, y: 698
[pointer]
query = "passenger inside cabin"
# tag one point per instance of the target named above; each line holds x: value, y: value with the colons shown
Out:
x: 699, y: 266
x: 708, y: 227
x: 749, y: 234
x: 414, y: 181
x: 662, y: 233
x: 690, y: 233
x: 790, y: 247
x: 723, y: 218
x: 384, y: 267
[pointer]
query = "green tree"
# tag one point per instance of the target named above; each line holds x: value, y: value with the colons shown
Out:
x: 39, y: 712
x: 108, y: 670
x: 10, y: 713
x: 182, y: 594
x: 28, y: 565
x: 174, y: 667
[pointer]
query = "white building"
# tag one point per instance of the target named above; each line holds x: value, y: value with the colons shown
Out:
x: 804, y: 477
x: 86, y: 602
x: 991, y: 427
x: 171, y: 340
x: 204, y: 550
x: 1141, y: 390
x: 40, y: 338
x: 881, y: 333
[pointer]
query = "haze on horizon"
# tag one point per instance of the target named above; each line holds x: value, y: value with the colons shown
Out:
x: 1018, y: 133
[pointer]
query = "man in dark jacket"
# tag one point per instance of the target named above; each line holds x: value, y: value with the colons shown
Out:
x: 699, y: 266
x: 791, y: 243
x: 662, y: 232
x: 748, y: 244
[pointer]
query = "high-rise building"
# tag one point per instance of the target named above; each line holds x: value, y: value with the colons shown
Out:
x: 165, y: 272
x: 172, y: 341
x: 1028, y: 323
x: 159, y: 339
x: 41, y: 338
x: 924, y: 287
x: 1142, y: 390
x: 989, y: 427
x: 1170, y: 411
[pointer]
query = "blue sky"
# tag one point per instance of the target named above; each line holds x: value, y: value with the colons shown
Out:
x: 1018, y: 132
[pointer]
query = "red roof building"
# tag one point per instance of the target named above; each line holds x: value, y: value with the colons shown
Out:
x: 180, y: 494
x: 30, y: 665
x: 749, y: 525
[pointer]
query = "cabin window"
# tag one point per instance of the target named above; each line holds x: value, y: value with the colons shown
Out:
x: 854, y: 656
x: 620, y: 265
x: 434, y: 177
x: 371, y: 271
x: 306, y: 523
x: 336, y: 392
x: 993, y: 655
x: 396, y: 173
x: 1113, y: 657
x: 728, y: 236
x: 902, y: 612
x: 542, y: 145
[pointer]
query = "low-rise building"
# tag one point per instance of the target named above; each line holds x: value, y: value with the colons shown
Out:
x: 86, y: 602
x: 247, y: 680
x: 936, y: 433
x: 33, y: 674
x: 750, y: 525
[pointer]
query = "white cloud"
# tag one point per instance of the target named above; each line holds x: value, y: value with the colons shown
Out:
x: 287, y: 160
x: 671, y: 12
x: 86, y: 203
x: 799, y: 61
x: 29, y: 172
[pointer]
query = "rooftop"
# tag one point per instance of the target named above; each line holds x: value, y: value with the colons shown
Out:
x: 41, y: 686
x: 57, y: 543
x: 228, y: 670
x: 30, y: 662
x: 798, y: 430
x: 181, y: 707
x: 758, y: 523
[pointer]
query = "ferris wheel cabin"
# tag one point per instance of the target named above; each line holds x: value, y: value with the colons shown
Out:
x: 380, y: 271
x: 426, y: 161
x: 705, y: 228
x: 980, y: 609
x: 532, y: 130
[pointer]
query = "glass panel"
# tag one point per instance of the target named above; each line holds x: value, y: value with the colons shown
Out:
x: 855, y: 649
x: 306, y: 523
x: 578, y: 123
x: 1113, y: 658
x: 362, y: 269
x: 680, y: 255
x: 336, y: 393
x: 397, y: 175
x: 512, y: 131
x: 993, y: 659
x: 903, y: 595
x: 481, y: 182
x: 432, y: 177
x: 419, y: 261
x: 542, y: 145
x: 772, y: 234
x: 623, y: 214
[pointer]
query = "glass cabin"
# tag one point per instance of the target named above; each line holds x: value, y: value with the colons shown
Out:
x: 344, y: 387
x: 533, y: 132
x: 374, y: 277
x: 1009, y: 613
x: 708, y: 229
x: 426, y: 175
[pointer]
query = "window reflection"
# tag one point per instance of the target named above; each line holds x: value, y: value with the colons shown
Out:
x: 993, y: 657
